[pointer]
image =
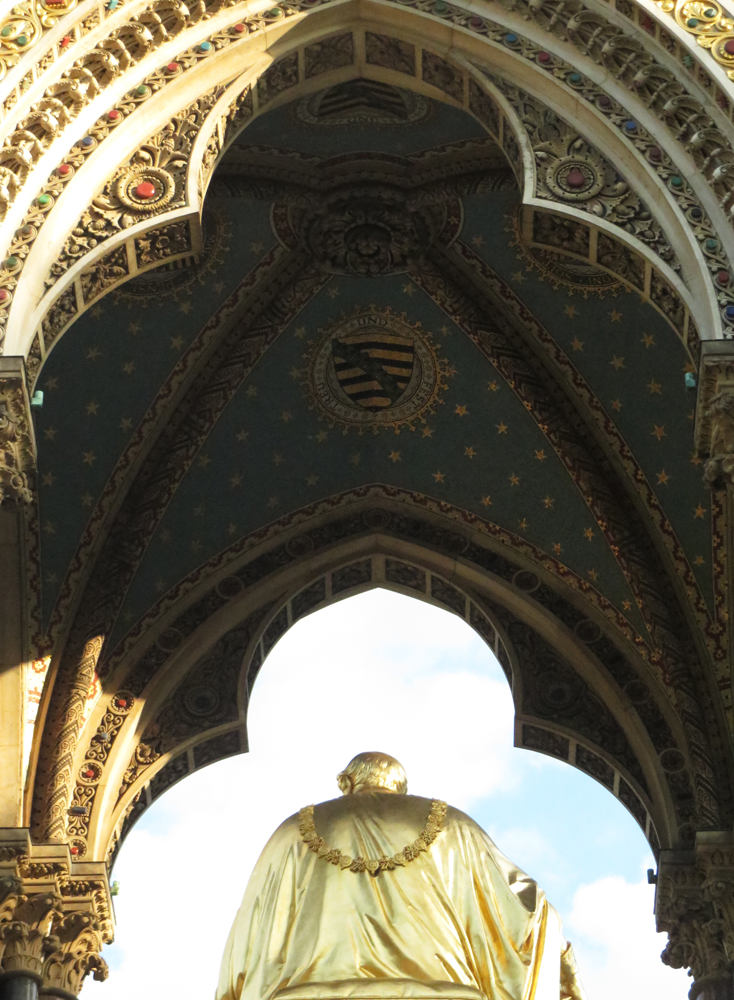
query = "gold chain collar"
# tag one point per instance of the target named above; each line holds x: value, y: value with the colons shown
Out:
x: 374, y: 866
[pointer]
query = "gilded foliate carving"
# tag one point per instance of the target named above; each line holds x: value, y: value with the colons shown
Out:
x: 16, y: 444
x: 152, y: 182
x: 143, y: 756
x: 695, y: 905
x: 571, y: 171
x: 710, y: 24
x: 87, y: 782
x: 76, y: 943
x: 54, y: 918
x: 25, y: 926
x: 720, y: 466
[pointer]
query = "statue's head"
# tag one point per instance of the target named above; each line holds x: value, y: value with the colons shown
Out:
x: 373, y: 772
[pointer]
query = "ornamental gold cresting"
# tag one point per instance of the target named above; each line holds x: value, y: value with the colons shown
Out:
x: 389, y: 896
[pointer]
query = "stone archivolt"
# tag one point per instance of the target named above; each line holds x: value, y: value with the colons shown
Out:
x: 583, y: 28
x: 110, y: 214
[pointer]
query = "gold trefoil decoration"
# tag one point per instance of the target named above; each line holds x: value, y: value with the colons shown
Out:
x: 709, y: 23
x: 24, y: 25
x: 374, y: 866
x: 374, y: 370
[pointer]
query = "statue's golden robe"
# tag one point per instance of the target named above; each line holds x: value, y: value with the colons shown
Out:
x: 458, y: 921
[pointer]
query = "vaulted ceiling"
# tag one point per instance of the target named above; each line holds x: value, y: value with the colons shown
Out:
x: 559, y: 393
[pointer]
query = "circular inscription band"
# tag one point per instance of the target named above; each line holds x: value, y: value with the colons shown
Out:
x: 374, y: 370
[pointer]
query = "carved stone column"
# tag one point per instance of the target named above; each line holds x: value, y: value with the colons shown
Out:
x: 17, y: 473
x: 694, y: 904
x: 55, y: 915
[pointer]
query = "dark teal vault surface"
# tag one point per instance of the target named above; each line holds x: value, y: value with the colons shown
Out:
x: 273, y: 450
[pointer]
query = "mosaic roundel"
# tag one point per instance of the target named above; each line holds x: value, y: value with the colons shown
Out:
x: 375, y: 370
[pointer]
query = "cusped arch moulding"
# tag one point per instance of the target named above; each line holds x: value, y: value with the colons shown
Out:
x: 126, y: 132
x: 148, y: 735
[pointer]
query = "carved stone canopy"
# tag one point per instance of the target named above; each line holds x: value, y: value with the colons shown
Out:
x: 366, y: 214
x: 369, y: 230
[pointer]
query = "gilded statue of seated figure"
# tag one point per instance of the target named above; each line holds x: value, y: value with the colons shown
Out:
x: 389, y: 896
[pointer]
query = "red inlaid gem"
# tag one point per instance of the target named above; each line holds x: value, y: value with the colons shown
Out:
x: 544, y: 57
x: 729, y: 47
x: 655, y: 152
x: 66, y: 41
x: 723, y: 277
x: 4, y: 295
x: 89, y: 773
x: 172, y: 67
x: 239, y: 28
x: 113, y: 115
x: 144, y: 190
x: 122, y: 702
x: 64, y: 170
x: 574, y: 178
x: 74, y: 850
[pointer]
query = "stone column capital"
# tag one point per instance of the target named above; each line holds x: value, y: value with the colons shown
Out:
x: 694, y: 904
x: 55, y: 914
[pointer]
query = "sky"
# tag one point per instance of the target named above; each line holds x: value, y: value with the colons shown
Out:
x: 386, y: 672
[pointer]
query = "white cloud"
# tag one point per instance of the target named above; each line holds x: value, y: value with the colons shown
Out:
x: 613, y: 933
x: 378, y: 672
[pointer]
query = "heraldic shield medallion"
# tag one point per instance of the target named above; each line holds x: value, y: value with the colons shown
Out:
x: 374, y: 370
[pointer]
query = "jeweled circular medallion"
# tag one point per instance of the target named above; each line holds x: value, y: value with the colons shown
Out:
x: 375, y: 370
x: 574, y: 179
x: 145, y: 189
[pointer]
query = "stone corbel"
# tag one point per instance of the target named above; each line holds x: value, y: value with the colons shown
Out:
x: 55, y: 915
x: 17, y: 443
x: 695, y: 905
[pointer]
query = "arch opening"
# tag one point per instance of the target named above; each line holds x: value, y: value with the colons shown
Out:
x: 420, y: 684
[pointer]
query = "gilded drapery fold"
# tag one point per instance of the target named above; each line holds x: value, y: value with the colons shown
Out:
x: 459, y: 920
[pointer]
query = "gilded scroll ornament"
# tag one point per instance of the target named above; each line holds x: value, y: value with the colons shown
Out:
x: 16, y: 446
x: 720, y: 466
x: 709, y: 23
x: 374, y: 866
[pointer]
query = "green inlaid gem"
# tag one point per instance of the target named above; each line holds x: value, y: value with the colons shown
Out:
x: 574, y: 77
x: 676, y: 181
x: 692, y: 22
x: 12, y: 262
x: 711, y: 244
x: 7, y: 30
x: 709, y: 12
x: 142, y: 90
x: 22, y: 40
x: 44, y: 199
